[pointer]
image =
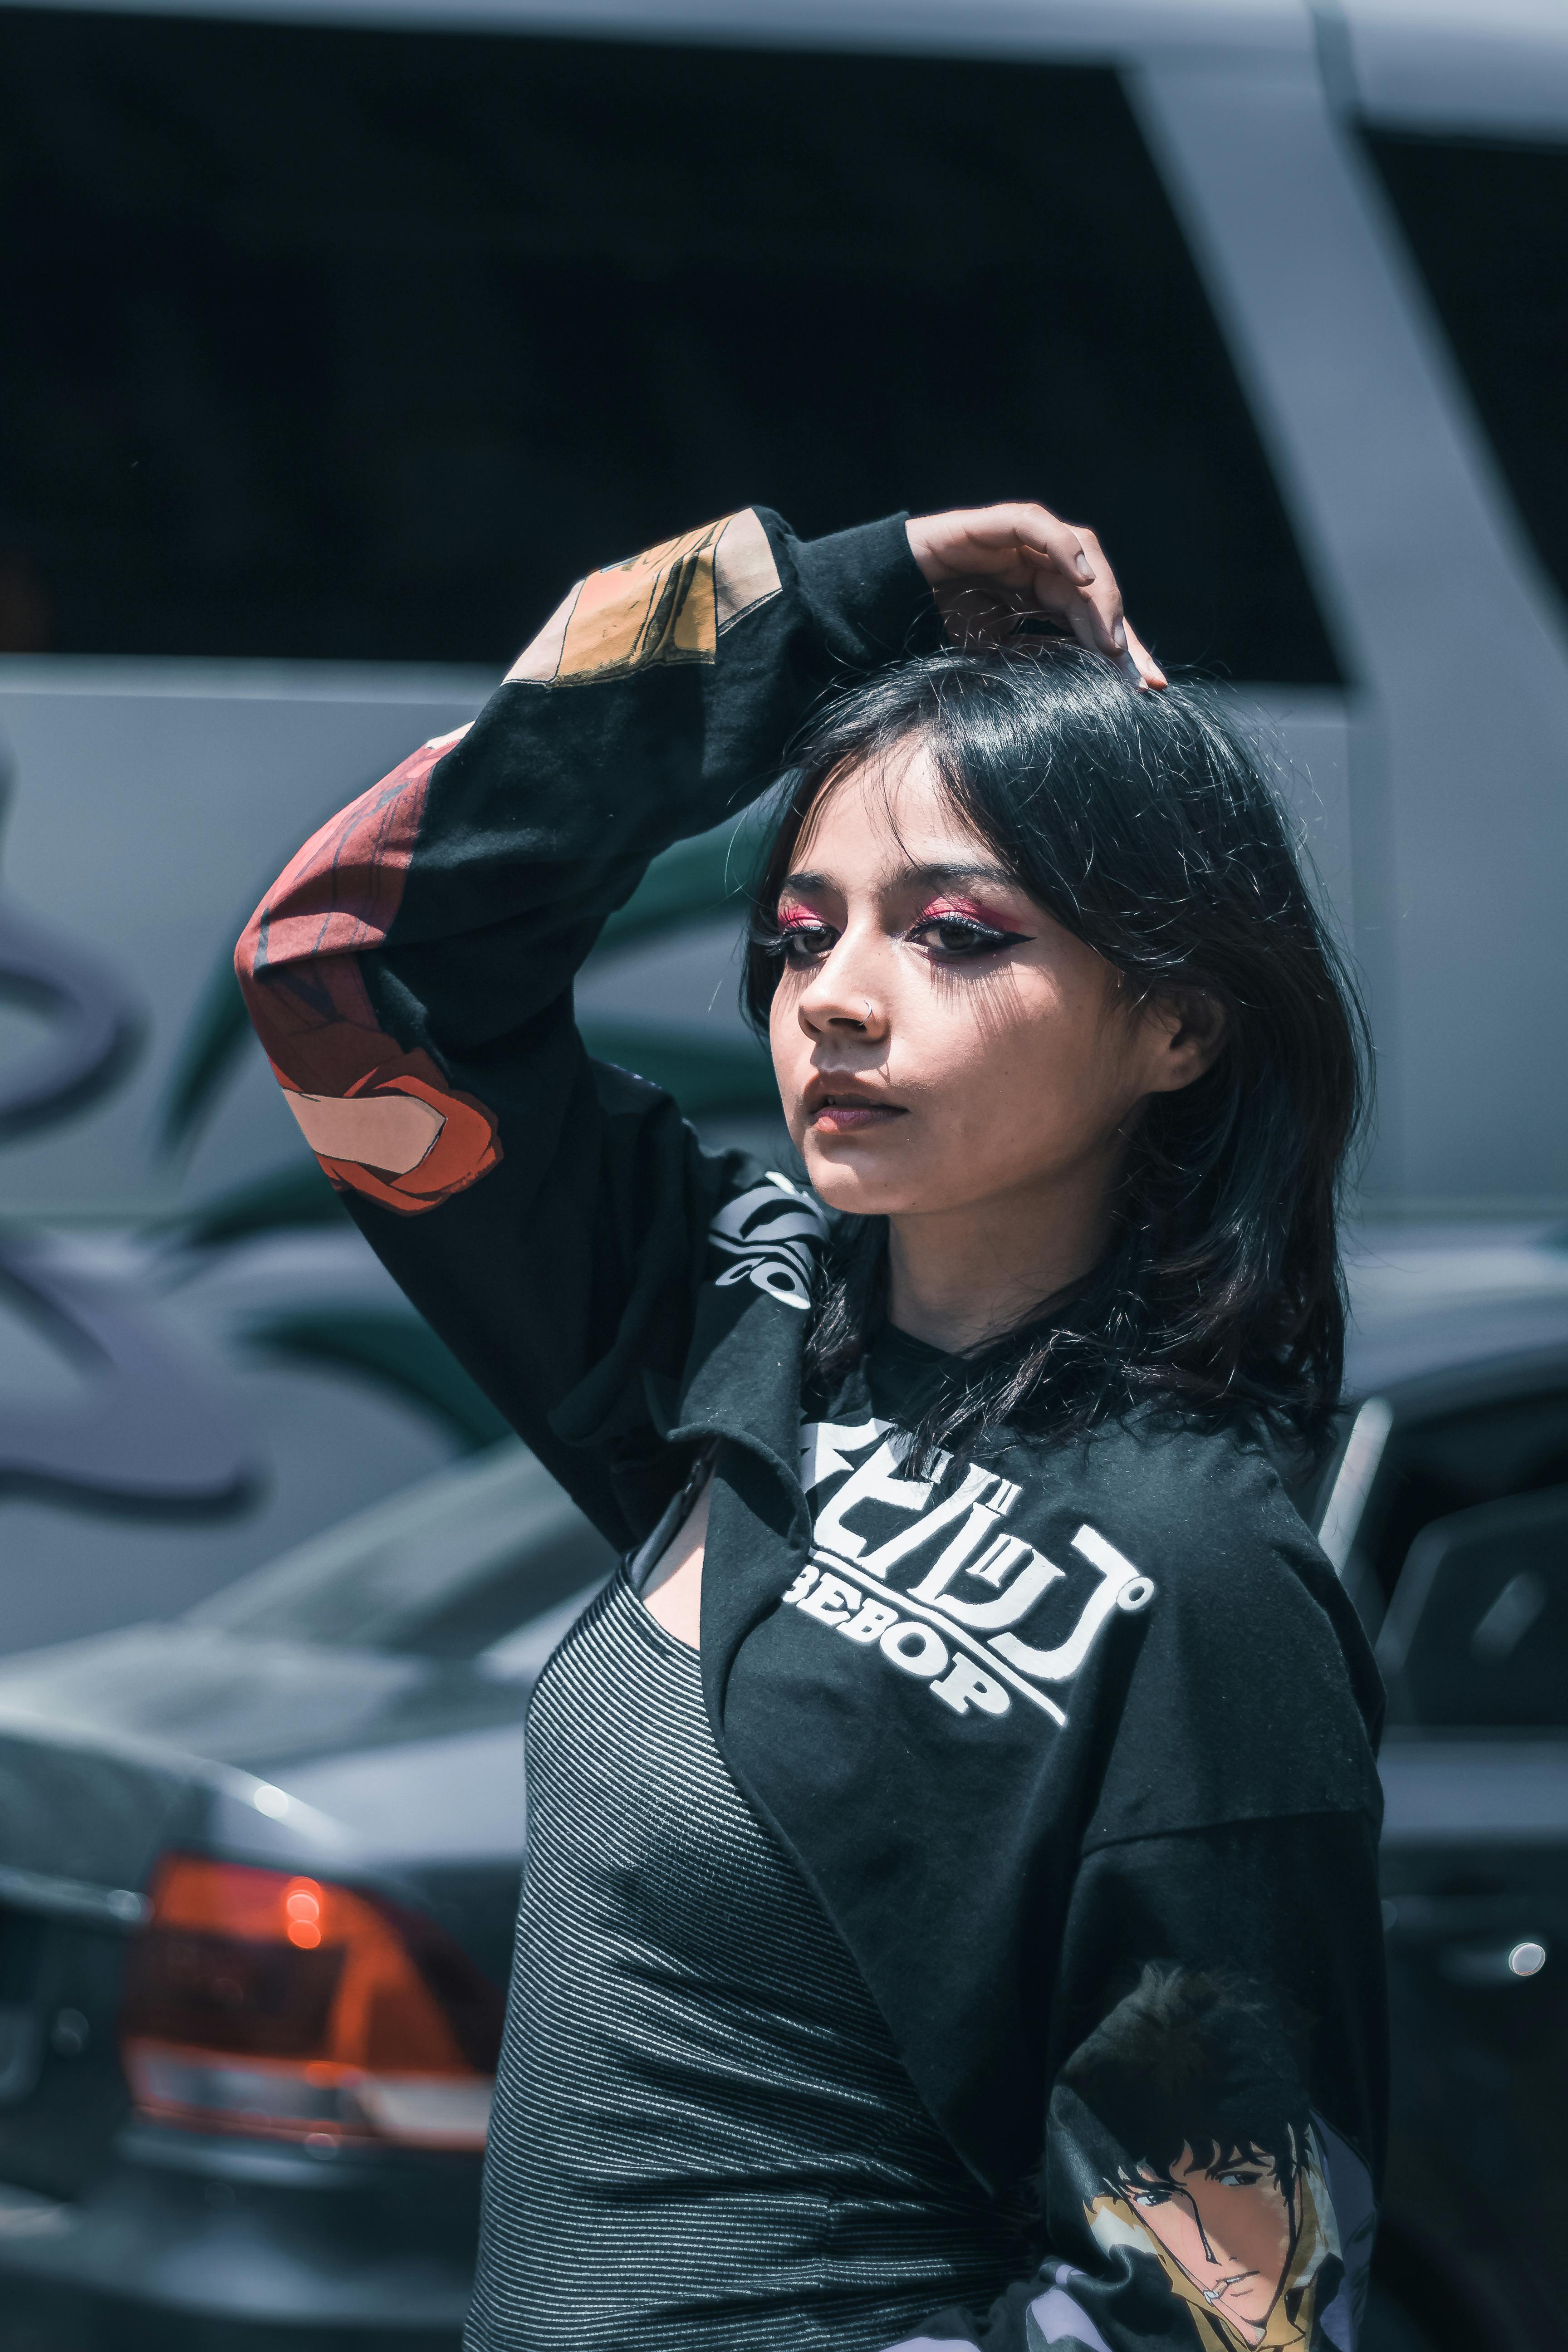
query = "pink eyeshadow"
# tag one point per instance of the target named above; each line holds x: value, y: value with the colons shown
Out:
x: 971, y: 907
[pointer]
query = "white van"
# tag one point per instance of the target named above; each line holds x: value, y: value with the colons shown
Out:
x: 340, y: 337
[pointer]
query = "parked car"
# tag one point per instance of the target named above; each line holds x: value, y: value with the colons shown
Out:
x: 258, y: 1872
x: 1447, y: 1513
x: 259, y: 1869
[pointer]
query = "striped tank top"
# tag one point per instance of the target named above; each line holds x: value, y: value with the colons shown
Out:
x: 704, y: 2139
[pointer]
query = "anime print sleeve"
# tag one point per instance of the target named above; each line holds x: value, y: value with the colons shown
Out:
x: 1212, y: 2143
x: 1218, y: 2042
x: 410, y: 972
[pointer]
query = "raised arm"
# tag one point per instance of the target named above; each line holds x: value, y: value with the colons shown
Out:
x: 410, y: 972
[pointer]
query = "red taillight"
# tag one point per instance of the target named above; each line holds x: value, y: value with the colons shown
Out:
x: 287, y: 2006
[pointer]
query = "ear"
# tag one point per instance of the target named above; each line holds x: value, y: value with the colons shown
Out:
x: 1183, y: 1033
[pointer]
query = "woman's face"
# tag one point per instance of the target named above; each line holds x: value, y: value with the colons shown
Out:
x: 940, y: 1042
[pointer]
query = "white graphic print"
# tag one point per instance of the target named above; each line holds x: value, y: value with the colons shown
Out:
x: 961, y: 1641
x: 771, y: 1232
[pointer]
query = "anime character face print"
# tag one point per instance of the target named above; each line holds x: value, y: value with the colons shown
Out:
x: 1230, y: 2226
x: 1198, y: 2154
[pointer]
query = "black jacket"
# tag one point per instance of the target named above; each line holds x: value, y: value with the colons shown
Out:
x: 1027, y: 1728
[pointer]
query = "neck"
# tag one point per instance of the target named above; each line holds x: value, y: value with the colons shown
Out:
x: 959, y: 1276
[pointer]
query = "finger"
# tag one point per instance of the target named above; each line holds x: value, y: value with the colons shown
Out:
x: 1105, y: 596
x: 1087, y: 626
x: 1040, y: 533
x: 1148, y: 671
x: 1092, y: 607
x: 1031, y: 535
x: 1096, y: 621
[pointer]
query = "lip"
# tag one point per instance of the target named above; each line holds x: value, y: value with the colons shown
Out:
x: 846, y: 1106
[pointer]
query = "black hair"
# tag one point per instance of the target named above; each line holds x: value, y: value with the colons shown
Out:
x: 1148, y: 825
x: 1202, y: 2063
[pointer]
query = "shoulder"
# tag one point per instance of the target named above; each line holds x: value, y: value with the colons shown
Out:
x: 1206, y: 1510
x: 1251, y: 1661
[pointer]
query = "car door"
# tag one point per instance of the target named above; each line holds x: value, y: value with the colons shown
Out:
x: 1469, y: 1605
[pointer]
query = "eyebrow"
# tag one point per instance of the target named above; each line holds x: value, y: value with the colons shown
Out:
x: 934, y: 878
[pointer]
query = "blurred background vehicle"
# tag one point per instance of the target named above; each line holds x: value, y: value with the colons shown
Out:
x: 259, y: 1865
x: 341, y: 335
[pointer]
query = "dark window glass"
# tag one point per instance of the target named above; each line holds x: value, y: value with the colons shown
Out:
x: 1480, y: 1453
x: 472, y: 1556
x: 1489, y: 223
x: 1477, y: 1633
x: 340, y: 342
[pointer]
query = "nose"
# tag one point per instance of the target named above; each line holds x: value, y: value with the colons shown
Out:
x: 842, y: 998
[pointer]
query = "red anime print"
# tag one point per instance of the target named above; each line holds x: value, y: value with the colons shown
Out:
x: 382, y: 1122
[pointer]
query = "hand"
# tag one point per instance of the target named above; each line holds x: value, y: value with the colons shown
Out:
x: 988, y: 565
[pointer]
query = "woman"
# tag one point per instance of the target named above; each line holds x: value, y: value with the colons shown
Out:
x: 974, y: 1710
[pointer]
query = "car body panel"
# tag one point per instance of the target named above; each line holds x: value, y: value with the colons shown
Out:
x: 1461, y: 1357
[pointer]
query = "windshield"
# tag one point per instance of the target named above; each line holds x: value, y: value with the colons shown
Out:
x: 442, y: 1571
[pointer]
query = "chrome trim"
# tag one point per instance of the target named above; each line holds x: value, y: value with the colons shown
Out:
x: 1477, y: 1793
x: 1352, y: 1480
x: 119, y: 1907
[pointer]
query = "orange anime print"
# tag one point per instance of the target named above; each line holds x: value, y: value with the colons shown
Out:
x: 382, y: 1122
x: 671, y: 604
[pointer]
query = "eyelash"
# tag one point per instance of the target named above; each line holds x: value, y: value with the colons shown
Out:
x: 1152, y: 2197
x: 778, y: 939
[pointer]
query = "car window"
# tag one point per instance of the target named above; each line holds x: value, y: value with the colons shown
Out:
x: 1477, y: 1632
x: 1452, y: 1462
x: 1488, y: 221
x: 445, y: 1571
x: 374, y: 339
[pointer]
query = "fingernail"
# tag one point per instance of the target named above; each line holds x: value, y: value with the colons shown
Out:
x: 1120, y: 633
x: 1085, y: 568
